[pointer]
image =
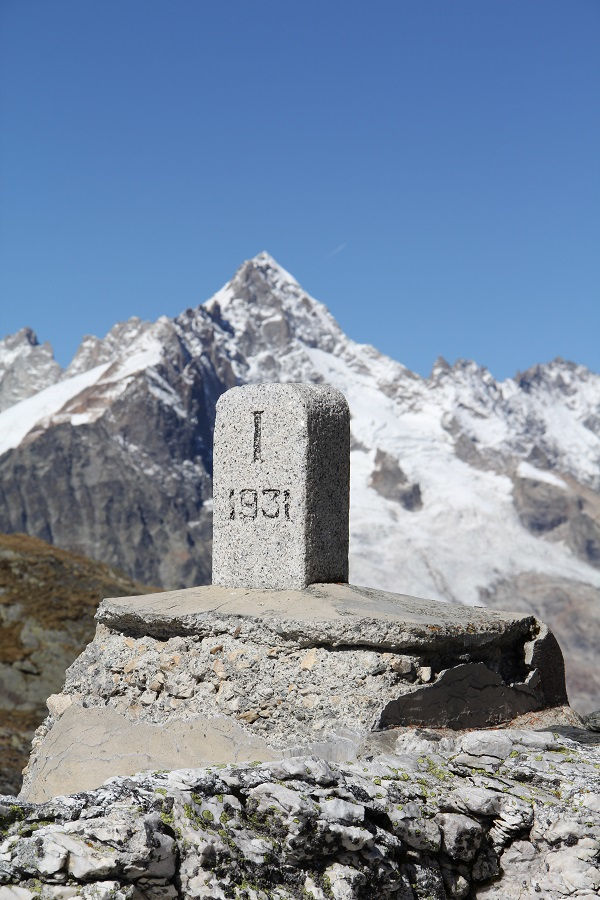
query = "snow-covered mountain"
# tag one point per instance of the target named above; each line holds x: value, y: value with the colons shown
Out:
x: 463, y: 488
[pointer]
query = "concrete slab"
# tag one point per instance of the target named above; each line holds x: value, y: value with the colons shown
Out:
x: 89, y: 745
x: 321, y: 614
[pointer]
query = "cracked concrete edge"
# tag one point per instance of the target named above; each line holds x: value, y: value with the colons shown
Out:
x: 465, y: 696
x: 322, y: 615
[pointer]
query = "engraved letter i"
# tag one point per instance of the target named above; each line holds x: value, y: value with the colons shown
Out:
x: 257, y: 436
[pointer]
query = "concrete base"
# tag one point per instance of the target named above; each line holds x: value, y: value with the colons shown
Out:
x: 217, y: 675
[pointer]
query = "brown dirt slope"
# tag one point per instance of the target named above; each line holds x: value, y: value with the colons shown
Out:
x: 48, y: 598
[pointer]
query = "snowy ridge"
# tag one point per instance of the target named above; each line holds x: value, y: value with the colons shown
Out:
x: 15, y: 346
x: 17, y: 421
x: 72, y: 399
x: 517, y: 415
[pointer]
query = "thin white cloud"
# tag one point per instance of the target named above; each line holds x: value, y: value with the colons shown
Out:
x: 337, y: 249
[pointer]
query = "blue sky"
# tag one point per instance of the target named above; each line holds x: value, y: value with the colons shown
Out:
x: 429, y: 169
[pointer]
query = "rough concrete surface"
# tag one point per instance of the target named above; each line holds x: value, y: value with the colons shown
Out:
x: 324, y: 614
x: 285, y: 672
x: 281, y: 482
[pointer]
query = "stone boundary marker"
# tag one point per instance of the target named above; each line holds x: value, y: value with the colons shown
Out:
x: 281, y: 485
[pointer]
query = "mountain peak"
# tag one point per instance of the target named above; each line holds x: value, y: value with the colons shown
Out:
x: 24, y: 338
x: 26, y: 367
x: 264, y: 256
x: 269, y: 311
x: 557, y: 375
x: 265, y: 266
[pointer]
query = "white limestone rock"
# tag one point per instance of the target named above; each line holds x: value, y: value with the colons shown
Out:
x: 415, y: 826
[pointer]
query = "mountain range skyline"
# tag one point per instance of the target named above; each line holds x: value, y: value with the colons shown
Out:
x: 26, y: 334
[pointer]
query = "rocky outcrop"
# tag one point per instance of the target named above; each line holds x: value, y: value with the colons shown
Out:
x: 142, y: 511
x: 26, y: 367
x: 559, y: 510
x: 501, y: 815
x: 391, y: 482
x: 225, y: 675
x: 48, y: 598
x: 542, y: 507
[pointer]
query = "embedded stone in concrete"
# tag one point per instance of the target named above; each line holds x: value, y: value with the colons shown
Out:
x: 281, y: 469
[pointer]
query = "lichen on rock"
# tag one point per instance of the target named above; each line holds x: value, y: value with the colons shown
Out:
x: 491, y: 814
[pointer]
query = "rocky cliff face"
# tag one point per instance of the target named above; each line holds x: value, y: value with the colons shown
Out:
x: 463, y: 488
x: 48, y: 598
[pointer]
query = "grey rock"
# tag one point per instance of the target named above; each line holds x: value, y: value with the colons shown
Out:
x: 561, y: 513
x: 281, y: 486
x: 148, y: 533
x: 584, y: 538
x: 592, y: 720
x: 494, y: 744
x: 392, y: 826
x: 461, y: 835
x: 571, y: 611
x: 541, y: 506
x: 390, y: 481
x: 404, y: 665
x: 94, y: 351
x: 467, y: 695
x: 137, y: 477
x: 26, y: 367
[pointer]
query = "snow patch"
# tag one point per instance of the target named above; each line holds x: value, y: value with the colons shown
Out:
x: 18, y: 420
x: 526, y: 470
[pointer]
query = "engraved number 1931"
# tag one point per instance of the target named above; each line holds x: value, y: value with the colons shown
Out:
x: 248, y: 503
